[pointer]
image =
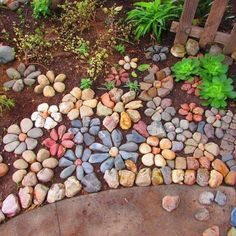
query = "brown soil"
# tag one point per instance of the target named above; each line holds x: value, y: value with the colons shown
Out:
x: 27, y: 101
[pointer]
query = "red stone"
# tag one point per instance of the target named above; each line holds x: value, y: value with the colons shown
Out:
x: 54, y: 135
x: 192, y: 163
x: 54, y: 149
x: 204, y: 162
x: 61, y: 130
x: 141, y: 128
x: 183, y: 112
x: 190, y: 91
x: 189, y: 117
x: 61, y: 151
x: 78, y: 162
x: 186, y: 87
x: 192, y: 105
x: 198, y: 110
x: 67, y: 143
x: 48, y: 142
x: 67, y: 136
x: 105, y: 98
x: 185, y: 106
x: 197, y: 118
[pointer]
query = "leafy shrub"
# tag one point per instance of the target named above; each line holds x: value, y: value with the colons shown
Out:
x: 152, y: 17
x: 85, y: 84
x: 110, y: 85
x: 41, y: 8
x: 120, y: 48
x: 6, y: 103
x: 216, y: 91
x: 186, y: 69
x: 212, y: 66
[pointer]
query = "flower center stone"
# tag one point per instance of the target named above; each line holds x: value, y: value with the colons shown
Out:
x: 22, y: 137
x: 113, y: 151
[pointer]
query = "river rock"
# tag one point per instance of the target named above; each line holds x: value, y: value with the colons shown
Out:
x: 56, y: 193
x: 40, y: 193
x: 170, y: 203
x: 112, y: 178
x: 72, y: 186
x: 26, y: 197
x: 7, y: 54
x: 126, y: 178
x: 143, y: 177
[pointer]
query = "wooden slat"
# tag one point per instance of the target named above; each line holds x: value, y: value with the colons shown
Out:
x: 190, y: 7
x: 213, y: 22
x: 196, y: 32
x: 230, y: 46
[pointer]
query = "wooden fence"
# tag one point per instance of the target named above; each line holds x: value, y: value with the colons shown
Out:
x: 209, y: 33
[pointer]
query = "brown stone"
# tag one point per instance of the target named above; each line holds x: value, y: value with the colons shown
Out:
x: 153, y: 141
x: 168, y: 154
x: 125, y: 121
x: 190, y: 177
x: 204, y: 162
x: 160, y: 75
x: 152, y: 92
x: 3, y: 169
x: 216, y: 179
x: 192, y: 163
x: 180, y: 163
x: 130, y: 165
x: 212, y: 231
x: 157, y: 178
x: 220, y: 166
x: 230, y: 178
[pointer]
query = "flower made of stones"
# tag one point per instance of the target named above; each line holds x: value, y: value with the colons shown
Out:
x: 156, y: 151
x: 117, y: 76
x: 199, y: 146
x: 156, y: 53
x: 191, y: 86
x: 46, y: 116
x: 157, y: 83
x: 32, y: 168
x: 21, y: 77
x: 159, y: 109
x: 177, y: 129
x: 78, y: 103
x: 119, y: 108
x: 111, y: 152
x: 128, y: 63
x: 59, y: 141
x: 76, y: 161
x: 191, y: 111
x: 49, y: 84
x: 85, y: 130
x: 21, y: 138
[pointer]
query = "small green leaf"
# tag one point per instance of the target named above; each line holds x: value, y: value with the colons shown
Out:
x: 134, y: 75
x: 143, y: 67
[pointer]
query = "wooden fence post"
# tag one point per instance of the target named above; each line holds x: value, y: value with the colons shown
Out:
x: 190, y: 7
x: 213, y: 22
x: 230, y: 46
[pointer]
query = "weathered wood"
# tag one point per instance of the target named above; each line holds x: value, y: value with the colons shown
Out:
x: 196, y: 31
x: 213, y: 22
x: 230, y: 46
x: 190, y: 7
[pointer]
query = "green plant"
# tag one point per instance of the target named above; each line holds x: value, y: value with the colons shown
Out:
x: 41, y: 8
x: 186, y: 69
x: 133, y: 86
x: 212, y: 66
x: 110, y: 85
x: 85, y: 84
x: 216, y: 91
x: 120, y: 48
x: 33, y: 46
x: 6, y: 103
x: 143, y: 67
x: 97, y: 63
x: 152, y: 17
x: 77, y: 45
x: 77, y: 16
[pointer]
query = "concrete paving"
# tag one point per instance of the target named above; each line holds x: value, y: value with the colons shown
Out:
x: 127, y: 212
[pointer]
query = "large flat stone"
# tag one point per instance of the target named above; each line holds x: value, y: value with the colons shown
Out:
x: 135, y: 211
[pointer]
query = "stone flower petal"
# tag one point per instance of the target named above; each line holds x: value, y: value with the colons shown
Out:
x: 67, y: 143
x: 67, y: 172
x: 129, y: 147
x: 129, y: 155
x: 14, y: 129
x: 8, y: 138
x: 57, y: 116
x: 64, y: 162
x: 50, y: 123
x: 21, y: 148
x: 70, y: 155
x: 43, y: 107
x: 35, y: 115
x: 39, y: 122
x: 88, y: 168
x: 119, y: 163
x: 53, y: 109
x: 26, y: 124
x: 116, y: 137
x: 105, y: 136
x: 35, y: 133
x: 107, y: 164
x: 98, y: 157
x: 31, y: 143
x: 79, y: 172
x: 99, y: 147
x: 10, y: 147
